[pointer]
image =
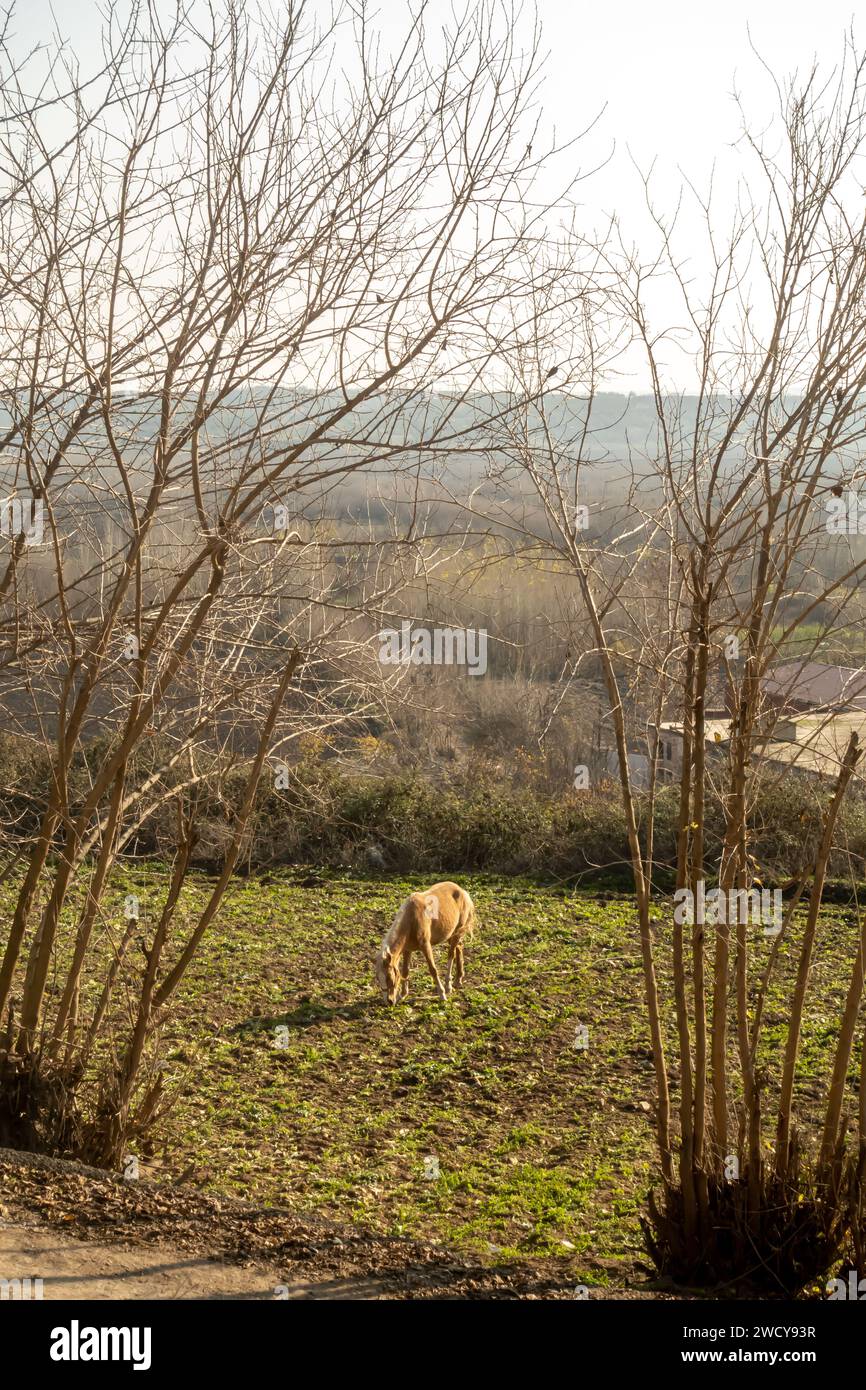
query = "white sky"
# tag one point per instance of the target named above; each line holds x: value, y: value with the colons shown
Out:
x: 663, y: 69
x: 666, y: 71
x: 666, y: 68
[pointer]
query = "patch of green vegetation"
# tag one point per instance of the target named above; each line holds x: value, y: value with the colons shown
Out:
x: 483, y: 1124
x: 309, y: 1091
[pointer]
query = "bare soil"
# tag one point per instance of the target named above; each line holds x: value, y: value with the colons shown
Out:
x: 92, y: 1235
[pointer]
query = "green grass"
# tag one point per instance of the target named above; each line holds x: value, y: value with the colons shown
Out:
x: 542, y: 1147
x: 296, y: 1085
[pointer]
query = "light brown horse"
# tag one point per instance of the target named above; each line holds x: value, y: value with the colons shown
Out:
x: 444, y: 912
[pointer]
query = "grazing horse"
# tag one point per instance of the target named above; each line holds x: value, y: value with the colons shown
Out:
x: 443, y: 913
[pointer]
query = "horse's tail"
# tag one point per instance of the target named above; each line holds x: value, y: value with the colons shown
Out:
x: 470, y: 919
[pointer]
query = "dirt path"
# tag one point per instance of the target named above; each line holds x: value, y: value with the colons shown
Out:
x: 87, y: 1234
x: 71, y: 1268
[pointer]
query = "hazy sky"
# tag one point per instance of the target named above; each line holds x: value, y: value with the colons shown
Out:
x: 667, y: 68
x: 664, y: 70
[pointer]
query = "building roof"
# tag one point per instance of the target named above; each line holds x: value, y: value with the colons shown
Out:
x: 816, y: 685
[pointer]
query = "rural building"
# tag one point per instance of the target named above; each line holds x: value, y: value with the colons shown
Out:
x: 816, y: 708
x: 814, y: 685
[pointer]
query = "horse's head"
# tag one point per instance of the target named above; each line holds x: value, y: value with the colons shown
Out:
x: 387, y: 975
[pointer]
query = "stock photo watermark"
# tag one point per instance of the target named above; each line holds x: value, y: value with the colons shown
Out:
x: 77, y: 1343
x: 21, y: 1290
x: 846, y: 515
x: 21, y: 516
x: 729, y: 907
x: 438, y: 646
x: 849, y: 1289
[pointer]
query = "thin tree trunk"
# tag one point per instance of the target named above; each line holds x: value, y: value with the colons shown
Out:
x: 795, y: 1021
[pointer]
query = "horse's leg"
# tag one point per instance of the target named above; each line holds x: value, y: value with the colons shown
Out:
x: 458, y: 951
x: 452, y: 951
x: 404, y: 971
x: 427, y: 948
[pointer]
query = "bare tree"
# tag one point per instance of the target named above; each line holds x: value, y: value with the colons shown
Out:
x: 232, y: 283
x: 727, y: 559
